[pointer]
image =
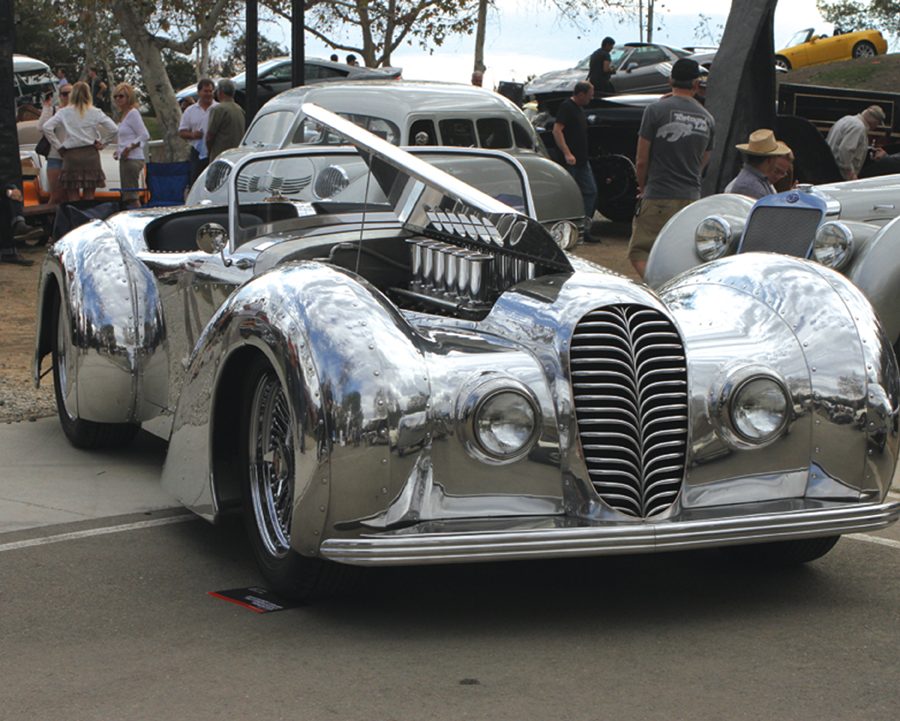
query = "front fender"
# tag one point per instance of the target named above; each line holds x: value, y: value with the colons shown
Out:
x: 113, y: 322
x: 674, y: 251
x: 353, y: 372
x: 555, y: 193
x: 876, y: 272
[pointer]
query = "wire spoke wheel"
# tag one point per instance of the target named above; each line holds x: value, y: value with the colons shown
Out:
x: 271, y: 465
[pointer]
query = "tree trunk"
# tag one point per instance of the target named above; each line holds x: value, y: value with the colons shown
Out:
x: 479, y: 36
x: 153, y: 70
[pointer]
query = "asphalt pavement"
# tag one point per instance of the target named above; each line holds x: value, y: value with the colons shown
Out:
x: 106, y: 613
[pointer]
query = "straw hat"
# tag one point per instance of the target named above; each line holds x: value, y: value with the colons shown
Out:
x: 763, y: 143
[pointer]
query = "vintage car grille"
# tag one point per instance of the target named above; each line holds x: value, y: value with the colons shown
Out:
x: 629, y: 376
x: 781, y: 230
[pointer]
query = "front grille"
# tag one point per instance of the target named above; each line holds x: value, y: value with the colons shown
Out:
x: 629, y: 377
x: 790, y: 231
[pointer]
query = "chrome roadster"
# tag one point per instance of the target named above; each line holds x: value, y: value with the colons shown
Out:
x: 849, y: 226
x: 411, y: 372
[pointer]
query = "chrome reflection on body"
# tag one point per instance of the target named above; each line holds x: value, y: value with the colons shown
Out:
x: 272, y: 465
x: 629, y: 375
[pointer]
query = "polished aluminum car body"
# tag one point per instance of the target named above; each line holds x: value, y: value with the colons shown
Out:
x: 413, y: 372
x: 411, y: 114
x: 850, y: 226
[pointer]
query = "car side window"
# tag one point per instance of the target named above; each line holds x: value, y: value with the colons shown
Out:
x: 422, y: 132
x: 268, y: 130
x: 494, y: 132
x: 522, y: 136
x: 281, y: 72
x: 647, y: 56
x: 459, y: 132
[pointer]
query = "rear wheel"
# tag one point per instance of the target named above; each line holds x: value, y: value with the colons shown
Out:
x: 784, y: 553
x: 267, y: 461
x: 84, y: 434
x: 782, y: 62
x: 864, y: 49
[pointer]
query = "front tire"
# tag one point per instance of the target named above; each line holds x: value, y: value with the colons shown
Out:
x: 864, y: 49
x: 88, y: 435
x: 782, y: 62
x: 267, y: 461
x: 784, y: 553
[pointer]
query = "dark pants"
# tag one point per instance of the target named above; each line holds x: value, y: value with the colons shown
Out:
x: 197, y: 165
x: 584, y: 176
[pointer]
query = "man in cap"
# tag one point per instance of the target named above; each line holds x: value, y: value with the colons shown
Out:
x: 766, y: 161
x: 849, y: 140
x: 674, y: 144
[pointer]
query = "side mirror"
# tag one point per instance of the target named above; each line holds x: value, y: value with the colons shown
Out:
x: 212, y: 238
x: 630, y: 66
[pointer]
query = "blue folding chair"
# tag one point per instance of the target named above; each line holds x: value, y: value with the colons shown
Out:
x: 167, y: 183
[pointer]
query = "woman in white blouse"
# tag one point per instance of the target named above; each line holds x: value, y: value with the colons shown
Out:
x: 88, y: 129
x: 132, y: 137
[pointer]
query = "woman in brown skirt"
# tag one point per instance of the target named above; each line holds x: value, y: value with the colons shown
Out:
x: 88, y: 129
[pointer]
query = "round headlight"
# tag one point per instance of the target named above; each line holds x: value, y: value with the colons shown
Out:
x: 759, y: 409
x: 504, y: 424
x: 565, y: 233
x: 331, y: 181
x: 833, y: 245
x: 216, y: 175
x: 713, y: 237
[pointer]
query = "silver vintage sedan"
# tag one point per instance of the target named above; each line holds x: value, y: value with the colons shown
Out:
x: 413, y: 372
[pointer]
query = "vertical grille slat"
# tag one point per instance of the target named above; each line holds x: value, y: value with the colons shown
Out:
x: 629, y: 381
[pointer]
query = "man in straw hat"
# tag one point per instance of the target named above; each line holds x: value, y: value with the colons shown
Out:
x: 766, y: 161
x: 849, y: 140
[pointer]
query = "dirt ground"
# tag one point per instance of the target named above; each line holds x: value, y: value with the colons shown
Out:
x: 19, y: 400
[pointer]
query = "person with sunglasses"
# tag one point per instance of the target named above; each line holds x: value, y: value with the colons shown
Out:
x: 54, y: 160
x: 133, y: 135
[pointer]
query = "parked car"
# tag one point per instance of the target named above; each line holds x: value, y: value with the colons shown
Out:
x: 807, y: 47
x: 422, y: 114
x: 640, y: 68
x: 410, y: 371
x: 33, y: 80
x: 850, y: 226
x: 274, y: 77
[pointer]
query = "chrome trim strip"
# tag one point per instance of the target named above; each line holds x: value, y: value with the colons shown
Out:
x: 449, y: 546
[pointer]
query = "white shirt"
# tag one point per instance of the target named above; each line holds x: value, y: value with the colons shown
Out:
x: 132, y: 130
x: 196, y: 118
x: 849, y: 143
x: 81, y: 130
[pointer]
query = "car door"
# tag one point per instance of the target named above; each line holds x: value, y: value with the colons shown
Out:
x: 640, y: 71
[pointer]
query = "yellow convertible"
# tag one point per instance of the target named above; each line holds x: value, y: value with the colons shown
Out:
x: 809, y: 48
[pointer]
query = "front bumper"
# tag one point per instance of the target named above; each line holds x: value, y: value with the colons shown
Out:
x: 554, y: 537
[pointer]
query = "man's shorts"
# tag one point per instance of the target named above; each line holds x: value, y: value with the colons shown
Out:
x: 649, y: 218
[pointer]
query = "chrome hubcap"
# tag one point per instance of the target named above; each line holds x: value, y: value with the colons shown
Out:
x: 272, y: 465
x: 62, y: 360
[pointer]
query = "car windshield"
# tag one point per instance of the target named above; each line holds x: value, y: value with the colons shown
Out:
x: 799, y: 38
x: 269, y: 129
x: 616, y: 55
x: 260, y: 70
x: 284, y: 190
x: 309, y: 132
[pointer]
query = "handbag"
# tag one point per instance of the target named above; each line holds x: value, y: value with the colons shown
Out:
x: 43, y: 147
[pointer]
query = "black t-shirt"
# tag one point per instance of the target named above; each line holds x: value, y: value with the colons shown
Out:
x: 599, y: 79
x: 574, y: 123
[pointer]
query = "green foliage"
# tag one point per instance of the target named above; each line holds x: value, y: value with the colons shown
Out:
x: 851, y: 15
x: 180, y: 69
x: 235, y: 62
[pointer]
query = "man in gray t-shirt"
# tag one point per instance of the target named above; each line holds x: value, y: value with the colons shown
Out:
x: 674, y: 144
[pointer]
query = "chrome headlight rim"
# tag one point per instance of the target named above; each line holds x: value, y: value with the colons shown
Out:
x: 727, y: 399
x: 565, y: 234
x: 474, y: 398
x: 217, y: 174
x: 708, y: 249
x: 833, y: 230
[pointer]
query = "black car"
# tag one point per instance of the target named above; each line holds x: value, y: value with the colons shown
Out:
x: 274, y: 76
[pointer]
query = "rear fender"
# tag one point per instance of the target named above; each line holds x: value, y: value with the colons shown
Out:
x: 876, y: 272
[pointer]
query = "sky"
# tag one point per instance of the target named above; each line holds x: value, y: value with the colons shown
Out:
x: 525, y: 38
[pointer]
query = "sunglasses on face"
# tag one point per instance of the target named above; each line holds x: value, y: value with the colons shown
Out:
x: 118, y: 96
x: 64, y: 95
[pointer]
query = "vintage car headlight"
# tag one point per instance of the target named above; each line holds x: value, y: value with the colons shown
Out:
x: 833, y: 246
x: 759, y: 409
x: 499, y: 419
x: 565, y: 233
x: 713, y: 237
x: 331, y: 181
x: 216, y: 175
